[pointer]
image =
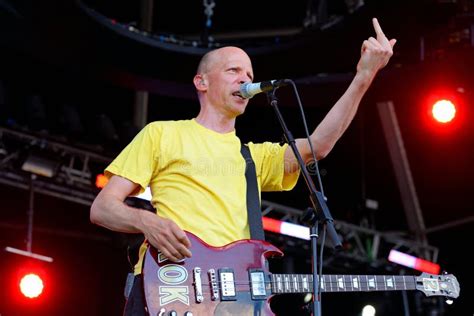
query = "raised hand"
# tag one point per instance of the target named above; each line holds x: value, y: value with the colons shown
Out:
x: 375, y: 52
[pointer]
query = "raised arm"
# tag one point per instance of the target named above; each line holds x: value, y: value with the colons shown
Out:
x: 110, y: 211
x: 375, y: 54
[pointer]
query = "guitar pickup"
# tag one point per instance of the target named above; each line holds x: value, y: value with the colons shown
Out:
x: 227, y: 282
x: 257, y: 284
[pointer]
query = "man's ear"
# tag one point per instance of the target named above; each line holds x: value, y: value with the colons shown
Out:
x: 200, y: 82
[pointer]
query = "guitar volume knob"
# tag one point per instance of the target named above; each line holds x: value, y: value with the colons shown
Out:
x: 188, y: 314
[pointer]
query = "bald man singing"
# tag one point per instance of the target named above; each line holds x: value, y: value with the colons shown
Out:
x: 195, y: 168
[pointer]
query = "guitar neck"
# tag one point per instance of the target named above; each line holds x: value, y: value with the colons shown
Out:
x: 303, y: 283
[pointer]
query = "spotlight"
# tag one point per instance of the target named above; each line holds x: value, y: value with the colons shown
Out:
x: 40, y: 165
x: 31, y: 285
x: 368, y: 310
x: 443, y: 111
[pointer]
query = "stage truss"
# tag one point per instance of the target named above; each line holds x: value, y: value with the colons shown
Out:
x: 74, y: 180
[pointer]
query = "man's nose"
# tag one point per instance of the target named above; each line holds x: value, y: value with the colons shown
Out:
x: 244, y: 79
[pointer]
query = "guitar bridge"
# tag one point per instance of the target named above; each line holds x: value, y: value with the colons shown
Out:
x: 198, y: 284
x: 213, y: 283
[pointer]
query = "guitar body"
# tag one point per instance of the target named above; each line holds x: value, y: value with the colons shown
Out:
x: 180, y: 287
x: 233, y: 280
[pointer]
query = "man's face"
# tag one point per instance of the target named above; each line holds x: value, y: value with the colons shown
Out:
x: 229, y: 68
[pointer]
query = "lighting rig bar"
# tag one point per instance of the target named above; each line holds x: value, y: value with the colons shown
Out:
x: 359, y: 237
x: 74, y: 182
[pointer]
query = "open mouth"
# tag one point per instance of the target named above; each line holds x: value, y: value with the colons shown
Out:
x: 237, y: 94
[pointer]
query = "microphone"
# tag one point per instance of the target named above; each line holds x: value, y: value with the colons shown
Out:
x: 248, y: 89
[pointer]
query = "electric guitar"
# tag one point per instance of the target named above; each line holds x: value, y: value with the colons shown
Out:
x: 234, y: 280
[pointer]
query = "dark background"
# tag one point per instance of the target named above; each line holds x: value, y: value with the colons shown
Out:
x: 61, y: 56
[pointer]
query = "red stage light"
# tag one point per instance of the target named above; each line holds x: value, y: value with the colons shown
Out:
x: 31, y: 285
x: 443, y: 111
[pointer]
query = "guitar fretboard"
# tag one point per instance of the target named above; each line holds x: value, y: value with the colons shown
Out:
x: 303, y: 283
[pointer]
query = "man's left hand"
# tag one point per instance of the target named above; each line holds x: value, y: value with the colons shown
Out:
x: 375, y: 52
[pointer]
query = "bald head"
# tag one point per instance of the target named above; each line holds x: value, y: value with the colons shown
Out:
x: 217, y: 55
x: 219, y: 76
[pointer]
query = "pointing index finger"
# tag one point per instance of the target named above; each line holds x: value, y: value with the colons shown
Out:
x: 378, y: 29
x: 381, y: 38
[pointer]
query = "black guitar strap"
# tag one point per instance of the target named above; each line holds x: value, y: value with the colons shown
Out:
x: 254, y: 212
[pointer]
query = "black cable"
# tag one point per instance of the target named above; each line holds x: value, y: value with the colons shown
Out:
x: 323, y: 240
x: 300, y: 105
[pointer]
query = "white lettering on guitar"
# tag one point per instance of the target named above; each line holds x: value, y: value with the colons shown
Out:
x: 174, y: 276
x: 170, y: 294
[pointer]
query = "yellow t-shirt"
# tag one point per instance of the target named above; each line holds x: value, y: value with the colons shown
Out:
x: 197, y: 177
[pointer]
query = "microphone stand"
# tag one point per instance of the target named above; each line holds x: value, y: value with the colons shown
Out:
x: 321, y: 213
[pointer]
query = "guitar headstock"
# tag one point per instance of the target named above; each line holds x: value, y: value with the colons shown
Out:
x: 438, y: 285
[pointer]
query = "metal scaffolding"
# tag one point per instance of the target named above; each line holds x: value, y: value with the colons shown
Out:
x: 74, y: 181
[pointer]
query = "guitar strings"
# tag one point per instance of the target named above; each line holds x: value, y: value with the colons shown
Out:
x: 324, y: 282
x: 331, y: 284
x: 241, y: 288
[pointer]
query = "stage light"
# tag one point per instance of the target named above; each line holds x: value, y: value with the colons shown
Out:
x: 443, y: 111
x: 31, y: 285
x: 101, y: 180
x: 308, y: 297
x: 285, y: 228
x: 413, y: 262
x: 368, y: 310
x: 40, y: 165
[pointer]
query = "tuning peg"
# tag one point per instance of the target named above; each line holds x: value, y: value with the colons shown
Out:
x: 449, y: 302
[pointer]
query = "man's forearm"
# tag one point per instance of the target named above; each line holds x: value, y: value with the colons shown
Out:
x: 341, y: 114
x: 109, y: 212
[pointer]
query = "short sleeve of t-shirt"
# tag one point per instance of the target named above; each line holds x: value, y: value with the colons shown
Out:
x: 270, y: 165
x: 138, y: 161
